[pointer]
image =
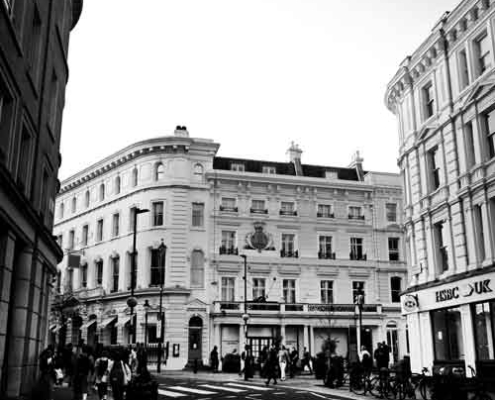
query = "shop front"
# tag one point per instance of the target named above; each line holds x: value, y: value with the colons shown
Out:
x: 451, y: 325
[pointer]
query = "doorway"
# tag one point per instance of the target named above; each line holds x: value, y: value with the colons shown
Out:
x: 195, y: 340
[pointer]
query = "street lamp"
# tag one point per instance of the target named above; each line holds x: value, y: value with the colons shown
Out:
x: 245, y: 316
x: 146, y: 306
x: 162, y: 249
x: 359, y: 302
x: 131, y: 301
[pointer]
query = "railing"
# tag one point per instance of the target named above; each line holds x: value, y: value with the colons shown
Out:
x: 229, y: 209
x: 227, y: 307
x: 258, y: 210
x: 354, y: 256
x: 228, y: 250
x: 288, y: 212
x: 325, y: 215
x: 289, y: 254
x: 360, y: 217
x: 323, y: 255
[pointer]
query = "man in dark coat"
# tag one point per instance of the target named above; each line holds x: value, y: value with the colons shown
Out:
x: 271, y: 365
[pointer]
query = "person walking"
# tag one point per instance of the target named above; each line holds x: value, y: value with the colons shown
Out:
x: 263, y: 356
x: 282, y: 362
x: 306, y: 361
x: 293, y: 359
x: 82, y: 370
x: 120, y: 375
x: 101, y: 374
x: 366, y: 360
x: 214, y: 359
x: 243, y: 362
x: 271, y: 370
x: 47, y: 377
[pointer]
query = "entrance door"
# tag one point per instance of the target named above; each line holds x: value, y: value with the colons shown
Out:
x: 195, y: 340
x: 257, y: 344
x: 393, y: 341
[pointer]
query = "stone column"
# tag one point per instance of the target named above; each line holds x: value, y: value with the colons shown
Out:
x: 468, y: 338
x: 19, y: 322
x: 305, y: 337
x: 312, y: 341
x: 217, y: 341
x: 282, y: 333
x: 486, y: 219
x: 471, y: 247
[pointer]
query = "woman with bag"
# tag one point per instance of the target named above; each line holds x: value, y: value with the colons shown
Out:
x: 120, y: 375
x: 101, y: 374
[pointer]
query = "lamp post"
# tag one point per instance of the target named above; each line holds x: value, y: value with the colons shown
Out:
x: 245, y: 317
x: 359, y: 302
x: 162, y: 250
x: 131, y: 301
x: 146, y: 306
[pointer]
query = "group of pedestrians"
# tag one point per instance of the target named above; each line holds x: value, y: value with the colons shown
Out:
x: 82, y: 368
x: 276, y: 362
x: 381, y: 356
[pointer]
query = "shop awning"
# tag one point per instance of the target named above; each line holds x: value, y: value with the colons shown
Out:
x: 108, y: 321
x: 87, y: 324
x: 123, y: 320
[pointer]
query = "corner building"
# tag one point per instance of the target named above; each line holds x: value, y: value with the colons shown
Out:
x: 34, y: 40
x: 313, y: 237
x: 443, y: 96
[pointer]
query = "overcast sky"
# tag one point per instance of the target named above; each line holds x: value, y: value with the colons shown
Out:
x: 253, y: 75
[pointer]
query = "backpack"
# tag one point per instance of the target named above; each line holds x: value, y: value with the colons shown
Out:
x: 117, y: 374
x: 102, y: 367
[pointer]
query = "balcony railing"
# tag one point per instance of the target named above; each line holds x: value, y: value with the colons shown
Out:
x: 229, y: 209
x: 258, y: 210
x: 228, y: 250
x: 289, y: 254
x: 359, y: 217
x: 237, y: 307
x: 288, y: 212
x: 354, y: 256
x: 325, y: 215
x: 323, y: 255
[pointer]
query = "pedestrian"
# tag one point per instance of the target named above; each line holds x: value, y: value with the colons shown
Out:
x: 101, y: 374
x: 263, y: 356
x: 271, y: 365
x: 82, y: 370
x: 214, y: 359
x: 386, y: 354
x: 365, y: 360
x: 243, y: 362
x: 282, y: 362
x: 120, y: 375
x: 132, y: 361
x: 379, y: 357
x: 68, y: 362
x: 47, y: 376
x: 294, y: 358
x: 248, y: 361
x: 306, y: 361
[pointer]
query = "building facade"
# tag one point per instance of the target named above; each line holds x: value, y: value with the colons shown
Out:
x: 313, y: 237
x: 444, y: 98
x: 34, y: 38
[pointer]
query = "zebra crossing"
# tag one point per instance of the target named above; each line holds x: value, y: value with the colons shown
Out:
x: 177, y: 391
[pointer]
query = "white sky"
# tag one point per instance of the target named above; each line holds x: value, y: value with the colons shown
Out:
x: 252, y: 75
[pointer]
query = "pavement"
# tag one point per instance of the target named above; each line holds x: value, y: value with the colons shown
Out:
x: 207, y: 385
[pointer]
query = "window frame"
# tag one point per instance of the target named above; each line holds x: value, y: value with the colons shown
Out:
x: 227, y: 288
x: 393, y: 253
x: 357, y: 248
x: 159, y: 172
x: 99, y: 230
x: 158, y: 218
x: 85, y: 235
x: 115, y: 282
x: 428, y: 100
x: 326, y: 291
x: 358, y: 287
x: 391, y: 212
x: 258, y: 290
x: 198, y: 214
x: 289, y: 290
x: 395, y: 292
x: 115, y: 225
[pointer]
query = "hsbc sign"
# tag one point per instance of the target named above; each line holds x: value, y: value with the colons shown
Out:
x: 469, y: 289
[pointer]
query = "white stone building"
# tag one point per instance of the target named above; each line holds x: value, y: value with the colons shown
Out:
x: 313, y: 236
x: 444, y: 98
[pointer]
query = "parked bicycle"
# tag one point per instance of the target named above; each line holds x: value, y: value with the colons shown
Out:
x: 381, y: 385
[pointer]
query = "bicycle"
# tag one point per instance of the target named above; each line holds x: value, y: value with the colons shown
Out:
x: 424, y: 384
x: 477, y: 386
x: 380, y: 386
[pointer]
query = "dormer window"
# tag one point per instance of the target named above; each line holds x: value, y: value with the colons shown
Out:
x: 269, y: 169
x: 237, y: 167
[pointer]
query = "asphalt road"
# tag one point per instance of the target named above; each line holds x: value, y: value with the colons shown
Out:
x: 187, y: 389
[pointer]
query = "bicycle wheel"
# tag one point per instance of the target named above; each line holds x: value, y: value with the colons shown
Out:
x: 375, y: 387
x: 357, y: 385
x: 424, y: 389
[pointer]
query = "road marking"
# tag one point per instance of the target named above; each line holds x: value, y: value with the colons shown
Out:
x: 190, y: 390
x: 279, y: 393
x: 223, y: 388
x: 248, y: 386
x: 170, y: 394
x: 318, y: 395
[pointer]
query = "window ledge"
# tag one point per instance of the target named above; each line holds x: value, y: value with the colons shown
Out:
x: 198, y: 229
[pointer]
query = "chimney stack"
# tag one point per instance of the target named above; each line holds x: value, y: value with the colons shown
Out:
x: 181, y: 131
x: 295, y: 158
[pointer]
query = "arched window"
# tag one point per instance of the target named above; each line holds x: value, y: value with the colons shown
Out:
x: 198, y: 173
x: 159, y: 171
x: 86, y: 198
x: 102, y: 192
x: 117, y: 185
x: 134, y: 177
x: 61, y: 210
x: 197, y: 268
x: 74, y: 204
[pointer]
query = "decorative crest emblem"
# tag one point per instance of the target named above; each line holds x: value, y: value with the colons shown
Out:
x: 259, y: 239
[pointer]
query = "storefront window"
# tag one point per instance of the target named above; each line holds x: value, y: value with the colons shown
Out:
x: 484, y: 324
x: 447, y: 334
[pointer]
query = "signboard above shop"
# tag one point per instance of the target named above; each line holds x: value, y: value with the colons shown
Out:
x: 469, y: 290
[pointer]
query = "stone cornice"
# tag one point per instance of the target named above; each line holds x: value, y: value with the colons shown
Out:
x: 451, y: 28
x: 167, y: 145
